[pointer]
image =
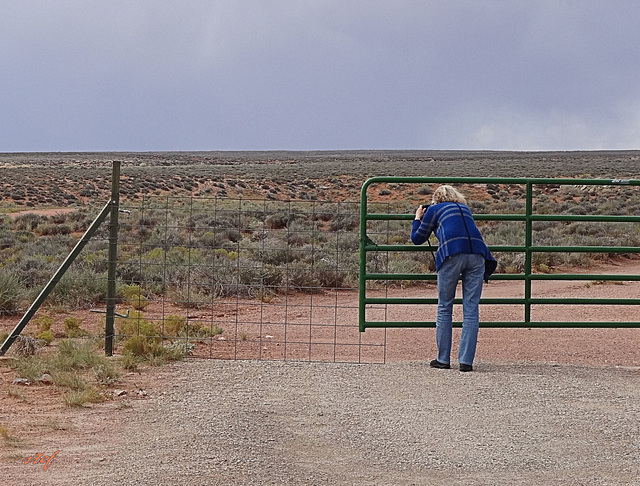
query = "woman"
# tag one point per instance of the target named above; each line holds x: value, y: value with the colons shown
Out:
x: 461, y: 253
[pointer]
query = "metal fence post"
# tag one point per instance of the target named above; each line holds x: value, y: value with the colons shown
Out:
x: 113, y: 259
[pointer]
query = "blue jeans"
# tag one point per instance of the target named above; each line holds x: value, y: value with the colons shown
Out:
x: 471, y: 267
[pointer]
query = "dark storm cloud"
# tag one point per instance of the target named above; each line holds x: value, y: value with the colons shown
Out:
x: 243, y: 75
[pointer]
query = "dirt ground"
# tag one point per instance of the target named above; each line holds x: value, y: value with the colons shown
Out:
x: 37, y: 422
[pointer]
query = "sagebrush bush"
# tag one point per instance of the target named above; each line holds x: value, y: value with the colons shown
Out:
x: 274, y: 251
x: 78, y: 289
x: 12, y: 293
x: 74, y: 355
x: 191, y: 296
x: 425, y: 190
x: 69, y: 379
x: 77, y: 398
x: 301, y: 277
x: 279, y: 220
x: 34, y: 270
x: 138, y: 350
x: 29, y: 221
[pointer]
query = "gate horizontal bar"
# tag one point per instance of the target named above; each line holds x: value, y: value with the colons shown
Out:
x: 578, y: 276
x: 504, y: 180
x: 510, y: 324
x: 519, y: 217
x: 511, y: 276
x: 497, y: 301
x: 534, y: 249
x: 418, y: 248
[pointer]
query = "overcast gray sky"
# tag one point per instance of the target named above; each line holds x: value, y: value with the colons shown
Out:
x: 137, y: 75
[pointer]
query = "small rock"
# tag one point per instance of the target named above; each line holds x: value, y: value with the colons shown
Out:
x: 47, y: 379
x: 21, y: 381
x: 142, y: 393
x: 222, y: 338
x: 119, y: 393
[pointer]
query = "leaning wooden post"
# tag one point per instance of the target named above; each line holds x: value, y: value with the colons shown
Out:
x: 113, y: 259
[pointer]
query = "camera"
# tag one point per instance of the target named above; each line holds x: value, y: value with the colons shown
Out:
x: 425, y: 206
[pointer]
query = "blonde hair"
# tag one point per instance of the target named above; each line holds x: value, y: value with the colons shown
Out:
x: 447, y: 193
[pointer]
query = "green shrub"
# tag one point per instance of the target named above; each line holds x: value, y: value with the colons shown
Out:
x: 136, y: 325
x: 77, y: 398
x: 44, y: 322
x: 75, y: 355
x: 72, y: 327
x: 130, y: 362
x: 139, y: 346
x: 174, y: 325
x: 133, y: 296
x: 30, y: 367
x: 46, y: 336
x: 68, y: 379
x: 177, y: 326
x: 138, y: 350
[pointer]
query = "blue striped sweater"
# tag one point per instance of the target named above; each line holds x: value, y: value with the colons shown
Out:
x: 455, y: 234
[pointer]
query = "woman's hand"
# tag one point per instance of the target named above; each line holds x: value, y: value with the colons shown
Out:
x: 420, y: 212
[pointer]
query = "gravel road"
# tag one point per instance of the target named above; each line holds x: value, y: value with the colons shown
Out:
x: 254, y: 423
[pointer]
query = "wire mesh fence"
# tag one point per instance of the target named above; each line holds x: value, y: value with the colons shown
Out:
x: 228, y: 278
x: 244, y: 279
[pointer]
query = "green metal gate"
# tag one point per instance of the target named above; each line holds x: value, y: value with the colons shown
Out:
x: 368, y: 246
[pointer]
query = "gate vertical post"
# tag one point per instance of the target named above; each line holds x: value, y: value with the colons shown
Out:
x: 113, y: 258
x: 362, y: 283
x: 527, y: 253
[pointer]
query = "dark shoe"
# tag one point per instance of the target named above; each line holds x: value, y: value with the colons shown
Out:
x: 437, y: 364
x: 465, y: 367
